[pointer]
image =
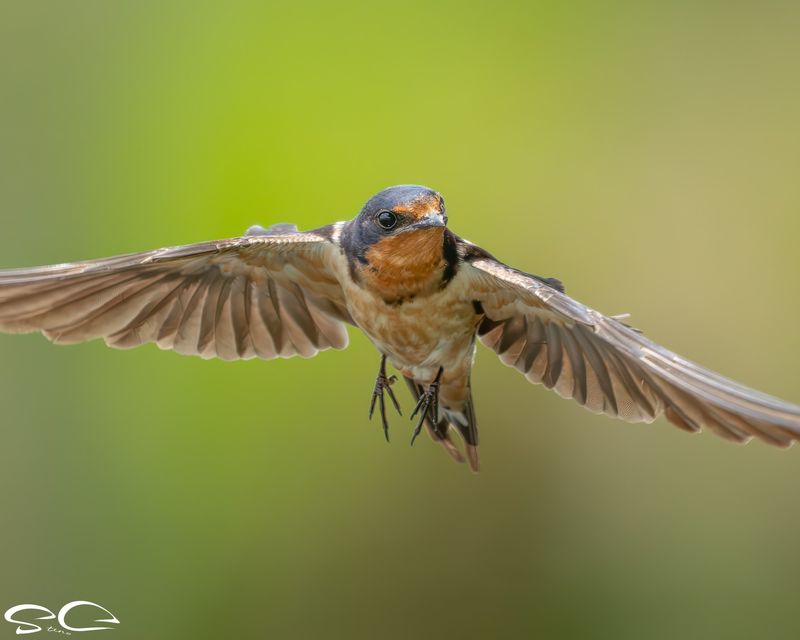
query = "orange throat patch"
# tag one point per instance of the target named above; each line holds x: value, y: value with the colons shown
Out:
x: 406, y: 265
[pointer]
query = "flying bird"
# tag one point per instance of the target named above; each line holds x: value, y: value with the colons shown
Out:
x: 421, y: 294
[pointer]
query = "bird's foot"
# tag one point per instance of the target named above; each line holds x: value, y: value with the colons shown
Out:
x: 427, y: 405
x: 383, y: 383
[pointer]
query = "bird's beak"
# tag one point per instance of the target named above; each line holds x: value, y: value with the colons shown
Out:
x: 432, y: 219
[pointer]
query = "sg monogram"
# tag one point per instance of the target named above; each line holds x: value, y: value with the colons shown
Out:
x: 29, y: 627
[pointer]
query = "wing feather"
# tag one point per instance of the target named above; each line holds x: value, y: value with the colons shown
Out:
x: 610, y: 368
x: 272, y: 294
x: 187, y: 335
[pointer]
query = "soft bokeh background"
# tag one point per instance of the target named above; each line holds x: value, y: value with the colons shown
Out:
x: 645, y: 153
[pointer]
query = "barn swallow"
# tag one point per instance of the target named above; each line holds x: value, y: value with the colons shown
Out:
x: 420, y: 293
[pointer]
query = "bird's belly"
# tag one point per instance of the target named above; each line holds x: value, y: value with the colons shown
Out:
x: 420, y: 335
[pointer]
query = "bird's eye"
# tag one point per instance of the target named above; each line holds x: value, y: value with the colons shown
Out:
x: 387, y: 220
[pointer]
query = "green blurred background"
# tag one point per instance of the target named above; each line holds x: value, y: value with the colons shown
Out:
x: 645, y: 153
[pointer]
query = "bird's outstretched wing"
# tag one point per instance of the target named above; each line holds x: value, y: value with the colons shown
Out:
x: 271, y: 293
x: 607, y: 366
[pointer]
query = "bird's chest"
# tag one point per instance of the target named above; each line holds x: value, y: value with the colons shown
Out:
x: 425, y: 332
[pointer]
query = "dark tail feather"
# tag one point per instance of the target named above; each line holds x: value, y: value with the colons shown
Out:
x: 469, y: 431
x: 463, y: 422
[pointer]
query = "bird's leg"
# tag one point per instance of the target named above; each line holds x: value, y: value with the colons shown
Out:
x: 382, y: 382
x: 427, y: 405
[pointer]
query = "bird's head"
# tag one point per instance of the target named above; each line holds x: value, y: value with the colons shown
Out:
x: 402, y: 209
x: 397, y: 240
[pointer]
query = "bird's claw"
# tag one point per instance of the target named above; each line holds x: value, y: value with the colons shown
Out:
x: 383, y: 383
x: 427, y: 405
